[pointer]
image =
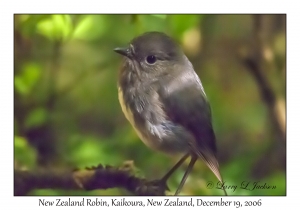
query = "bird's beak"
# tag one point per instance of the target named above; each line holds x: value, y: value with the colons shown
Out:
x: 125, y: 51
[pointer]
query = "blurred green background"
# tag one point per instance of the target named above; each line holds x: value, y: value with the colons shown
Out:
x: 67, y: 114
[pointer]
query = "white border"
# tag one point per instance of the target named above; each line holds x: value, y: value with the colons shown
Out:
x: 8, y: 8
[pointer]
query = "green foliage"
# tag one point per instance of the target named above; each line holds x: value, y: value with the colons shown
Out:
x: 86, y: 30
x: 56, y: 27
x: 88, y: 151
x: 27, y: 79
x: 181, y: 23
x: 66, y: 97
x: 36, y: 118
x: 25, y: 155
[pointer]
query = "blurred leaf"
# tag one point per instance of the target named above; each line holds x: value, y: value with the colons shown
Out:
x: 232, y: 169
x: 25, y: 155
x: 20, y: 86
x: 147, y: 23
x: 86, y: 28
x: 278, y: 179
x: 28, y: 23
x: 256, y: 115
x: 89, y: 151
x: 160, y: 16
x: 56, y: 27
x: 36, y: 117
x: 180, y: 23
x: 25, y: 82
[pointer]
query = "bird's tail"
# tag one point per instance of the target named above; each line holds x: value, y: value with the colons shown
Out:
x: 211, y: 161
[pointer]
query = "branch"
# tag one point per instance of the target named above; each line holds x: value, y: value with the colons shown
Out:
x: 257, y: 59
x: 255, y: 63
x: 100, y: 177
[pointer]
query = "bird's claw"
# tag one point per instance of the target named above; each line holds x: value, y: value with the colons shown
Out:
x: 154, y: 187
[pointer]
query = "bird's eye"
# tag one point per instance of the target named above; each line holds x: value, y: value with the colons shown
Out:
x: 151, y: 59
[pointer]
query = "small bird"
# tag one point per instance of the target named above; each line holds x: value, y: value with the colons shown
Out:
x: 163, y: 98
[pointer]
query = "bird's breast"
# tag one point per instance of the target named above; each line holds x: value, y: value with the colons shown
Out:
x: 151, y: 124
x: 139, y: 128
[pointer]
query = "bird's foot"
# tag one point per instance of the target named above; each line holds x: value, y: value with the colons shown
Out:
x: 154, y: 187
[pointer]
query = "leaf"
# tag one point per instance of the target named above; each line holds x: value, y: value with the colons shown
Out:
x: 56, y: 27
x: 160, y: 16
x: 151, y: 23
x: 20, y: 86
x: 180, y: 23
x: 25, y: 155
x: 30, y: 75
x: 88, y: 150
x: 36, y: 118
x: 27, y: 24
x: 90, y: 27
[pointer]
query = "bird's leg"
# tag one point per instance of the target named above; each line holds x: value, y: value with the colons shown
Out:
x: 185, y: 176
x: 162, y: 183
x: 174, y: 168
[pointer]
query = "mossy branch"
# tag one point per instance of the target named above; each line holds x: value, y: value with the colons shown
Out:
x: 93, y: 178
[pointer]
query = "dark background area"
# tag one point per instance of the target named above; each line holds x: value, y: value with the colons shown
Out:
x: 67, y: 114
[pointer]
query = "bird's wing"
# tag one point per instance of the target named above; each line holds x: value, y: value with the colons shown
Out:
x: 185, y: 104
